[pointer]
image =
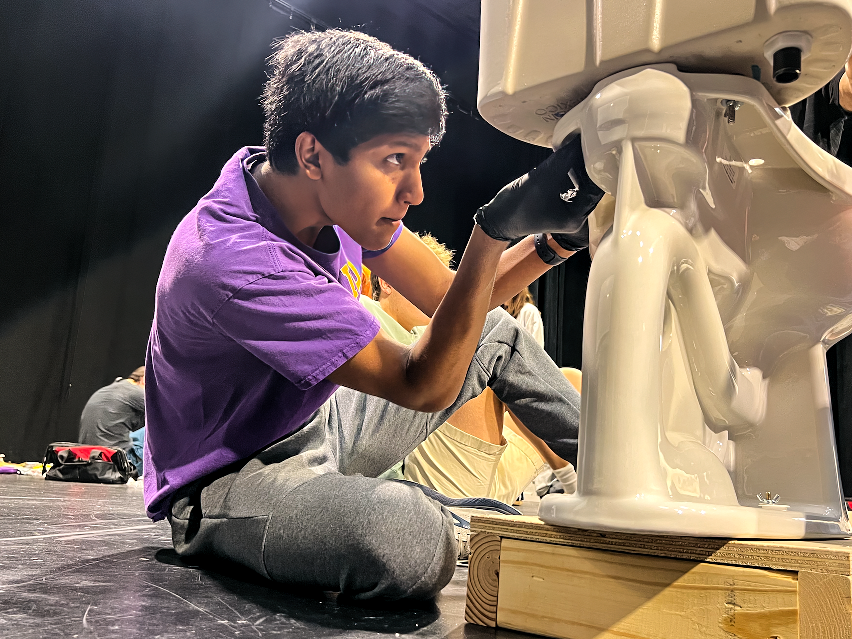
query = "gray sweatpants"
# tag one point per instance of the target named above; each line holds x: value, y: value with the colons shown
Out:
x: 308, y: 510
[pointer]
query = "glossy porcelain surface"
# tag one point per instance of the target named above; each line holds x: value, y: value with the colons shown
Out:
x: 539, y: 58
x: 722, y: 272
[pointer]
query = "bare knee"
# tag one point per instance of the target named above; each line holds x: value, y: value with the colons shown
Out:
x: 574, y: 377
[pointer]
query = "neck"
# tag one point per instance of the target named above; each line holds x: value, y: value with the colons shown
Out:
x: 295, y: 200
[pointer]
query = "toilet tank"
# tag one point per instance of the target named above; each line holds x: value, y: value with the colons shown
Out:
x: 539, y: 58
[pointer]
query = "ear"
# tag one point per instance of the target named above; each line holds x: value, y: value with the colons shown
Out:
x: 386, y: 288
x: 308, y: 149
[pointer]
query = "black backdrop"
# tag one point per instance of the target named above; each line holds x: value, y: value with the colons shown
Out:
x: 115, y: 117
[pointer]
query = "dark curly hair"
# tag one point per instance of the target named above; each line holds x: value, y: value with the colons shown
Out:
x: 345, y: 88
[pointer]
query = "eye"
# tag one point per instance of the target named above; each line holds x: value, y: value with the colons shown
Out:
x: 395, y: 158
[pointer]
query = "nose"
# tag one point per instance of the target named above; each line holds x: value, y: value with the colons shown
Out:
x: 411, y: 190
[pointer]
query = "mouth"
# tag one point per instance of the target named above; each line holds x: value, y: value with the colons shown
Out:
x: 396, y: 218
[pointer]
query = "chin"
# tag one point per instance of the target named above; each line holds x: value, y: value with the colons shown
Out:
x: 372, y: 238
x: 377, y: 241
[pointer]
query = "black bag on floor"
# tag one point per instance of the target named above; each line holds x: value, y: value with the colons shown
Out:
x: 87, y: 463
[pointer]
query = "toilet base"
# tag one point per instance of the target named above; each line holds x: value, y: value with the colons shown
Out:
x: 663, y: 516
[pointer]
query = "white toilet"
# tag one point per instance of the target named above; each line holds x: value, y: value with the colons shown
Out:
x: 723, y: 266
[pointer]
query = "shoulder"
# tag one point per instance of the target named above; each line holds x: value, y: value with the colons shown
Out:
x: 126, y: 387
x: 129, y: 394
x: 134, y: 388
x: 203, y: 262
x: 212, y: 256
x: 227, y: 230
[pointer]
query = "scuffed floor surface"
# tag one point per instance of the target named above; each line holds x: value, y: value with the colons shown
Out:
x: 82, y: 560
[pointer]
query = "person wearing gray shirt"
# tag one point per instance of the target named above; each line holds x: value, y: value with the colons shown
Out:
x: 115, y: 412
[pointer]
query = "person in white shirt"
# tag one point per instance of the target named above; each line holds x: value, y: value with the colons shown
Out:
x: 521, y: 307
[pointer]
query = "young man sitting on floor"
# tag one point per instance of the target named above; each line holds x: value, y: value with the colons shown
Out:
x: 273, y: 397
x: 481, y: 450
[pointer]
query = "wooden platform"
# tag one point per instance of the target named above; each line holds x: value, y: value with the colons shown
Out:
x: 581, y: 584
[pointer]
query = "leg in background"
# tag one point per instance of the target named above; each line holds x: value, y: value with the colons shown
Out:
x: 374, y: 434
x: 481, y: 417
x: 575, y: 377
x: 137, y: 439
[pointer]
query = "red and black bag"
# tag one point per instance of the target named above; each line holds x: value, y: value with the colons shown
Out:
x: 86, y: 463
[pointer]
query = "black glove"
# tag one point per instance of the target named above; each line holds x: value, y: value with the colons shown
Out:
x: 555, y: 197
x: 575, y: 240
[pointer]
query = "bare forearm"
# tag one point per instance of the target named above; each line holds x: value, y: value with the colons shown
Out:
x: 439, y: 360
x: 424, y: 281
x: 429, y: 375
x: 519, y: 266
x: 487, y: 276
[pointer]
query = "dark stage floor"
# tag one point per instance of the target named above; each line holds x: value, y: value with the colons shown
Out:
x: 82, y: 560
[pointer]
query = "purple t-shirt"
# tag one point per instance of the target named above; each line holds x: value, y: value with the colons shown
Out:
x: 248, y: 324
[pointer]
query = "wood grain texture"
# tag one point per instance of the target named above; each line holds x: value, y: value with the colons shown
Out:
x: 825, y: 606
x: 832, y: 557
x: 482, y: 580
x: 575, y: 593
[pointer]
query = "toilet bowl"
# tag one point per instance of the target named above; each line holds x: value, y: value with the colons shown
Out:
x: 722, y: 272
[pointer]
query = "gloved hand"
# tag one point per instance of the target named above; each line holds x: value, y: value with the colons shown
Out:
x: 576, y: 240
x: 555, y: 197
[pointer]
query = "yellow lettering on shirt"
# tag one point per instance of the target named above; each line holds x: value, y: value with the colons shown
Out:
x: 353, y: 277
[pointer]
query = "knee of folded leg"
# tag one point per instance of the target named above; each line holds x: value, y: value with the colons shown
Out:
x: 434, y: 568
x: 436, y: 578
x: 412, y: 538
x: 498, y: 314
x: 502, y: 327
x: 401, y: 516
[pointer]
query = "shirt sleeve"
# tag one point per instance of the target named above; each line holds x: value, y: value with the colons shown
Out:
x: 135, y: 399
x: 301, y: 324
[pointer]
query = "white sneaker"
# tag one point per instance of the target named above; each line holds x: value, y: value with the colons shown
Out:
x: 463, y: 541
